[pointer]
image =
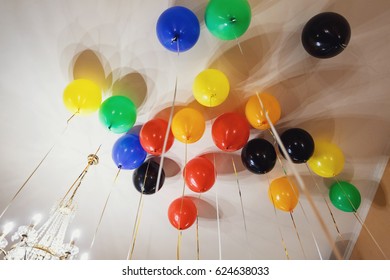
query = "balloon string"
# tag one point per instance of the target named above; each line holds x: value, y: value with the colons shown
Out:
x: 296, y: 231
x: 240, y: 194
x: 311, y: 231
x: 166, y: 136
x: 326, y: 202
x: 277, y: 222
x: 32, y: 173
x: 139, y: 214
x: 242, y: 205
x: 72, y: 116
x: 103, y: 211
x: 217, y: 203
x: 197, y: 233
x: 217, y: 206
x: 197, y: 238
x: 178, y: 247
x: 301, y: 183
x: 135, y: 227
x: 185, y: 171
x: 300, y: 204
x: 181, y: 205
x: 360, y: 220
x: 239, y: 46
x: 369, y: 232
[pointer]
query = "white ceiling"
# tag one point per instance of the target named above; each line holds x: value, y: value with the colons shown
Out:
x: 44, y: 44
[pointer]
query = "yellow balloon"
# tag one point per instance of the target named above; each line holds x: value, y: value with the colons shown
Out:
x: 255, y: 114
x: 327, y: 160
x: 211, y: 87
x: 82, y: 97
x: 283, y: 194
x: 188, y: 125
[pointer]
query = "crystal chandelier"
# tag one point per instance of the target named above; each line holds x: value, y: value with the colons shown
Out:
x: 47, y: 241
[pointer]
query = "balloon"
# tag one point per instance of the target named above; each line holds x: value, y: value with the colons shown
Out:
x: 118, y: 114
x: 152, y: 136
x: 327, y: 160
x: 283, y: 194
x: 82, y: 97
x: 298, y: 143
x: 211, y: 87
x: 228, y: 21
x: 326, y: 35
x: 230, y: 132
x: 345, y: 196
x: 258, y: 156
x: 127, y: 152
x: 188, y: 125
x: 145, y: 177
x: 178, y: 29
x: 255, y: 114
x: 182, y: 213
x: 199, y: 174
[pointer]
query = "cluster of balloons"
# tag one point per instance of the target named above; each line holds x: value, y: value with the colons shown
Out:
x: 325, y: 35
x: 178, y: 30
x: 326, y: 160
x: 178, y: 27
x: 116, y: 113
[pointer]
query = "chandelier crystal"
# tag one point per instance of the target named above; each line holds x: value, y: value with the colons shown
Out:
x: 47, y: 241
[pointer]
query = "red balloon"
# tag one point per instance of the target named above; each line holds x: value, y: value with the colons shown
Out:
x: 152, y: 136
x: 199, y: 174
x: 230, y: 132
x: 182, y: 213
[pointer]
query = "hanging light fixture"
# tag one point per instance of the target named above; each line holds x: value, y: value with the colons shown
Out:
x: 47, y: 242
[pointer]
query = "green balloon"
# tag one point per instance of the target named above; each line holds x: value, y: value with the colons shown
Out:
x: 118, y: 113
x: 345, y: 196
x: 228, y: 20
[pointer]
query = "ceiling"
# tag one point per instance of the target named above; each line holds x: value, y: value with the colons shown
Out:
x: 46, y: 44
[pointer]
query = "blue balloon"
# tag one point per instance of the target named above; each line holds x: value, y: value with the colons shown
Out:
x: 178, y: 29
x: 127, y: 152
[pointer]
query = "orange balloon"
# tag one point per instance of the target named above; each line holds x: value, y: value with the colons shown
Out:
x: 255, y: 114
x: 188, y: 125
x: 283, y: 194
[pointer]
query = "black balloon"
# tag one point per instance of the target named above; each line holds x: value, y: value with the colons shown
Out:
x: 298, y: 143
x: 145, y: 177
x: 258, y: 156
x: 326, y: 35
